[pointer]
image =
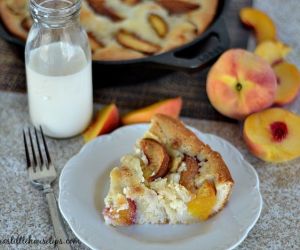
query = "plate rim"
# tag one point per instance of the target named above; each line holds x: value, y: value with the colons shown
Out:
x: 142, y: 125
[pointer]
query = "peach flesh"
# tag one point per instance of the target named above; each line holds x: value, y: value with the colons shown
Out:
x: 288, y: 80
x: 170, y: 107
x: 106, y: 120
x: 272, y: 51
x: 262, y: 24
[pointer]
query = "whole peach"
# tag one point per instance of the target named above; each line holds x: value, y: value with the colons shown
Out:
x: 241, y: 83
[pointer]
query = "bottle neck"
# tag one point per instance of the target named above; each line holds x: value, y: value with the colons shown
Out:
x: 55, y: 13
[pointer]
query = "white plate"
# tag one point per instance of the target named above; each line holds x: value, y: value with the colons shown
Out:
x: 84, y: 183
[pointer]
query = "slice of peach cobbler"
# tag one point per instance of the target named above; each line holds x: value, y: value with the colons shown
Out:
x: 172, y: 177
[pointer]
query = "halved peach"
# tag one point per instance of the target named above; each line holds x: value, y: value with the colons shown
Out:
x: 272, y: 51
x: 132, y: 41
x: 178, y: 6
x: 158, y: 24
x: 288, y: 82
x: 106, y: 120
x: 201, y: 206
x: 170, y: 107
x: 158, y: 159
x: 273, y: 135
x: 262, y: 24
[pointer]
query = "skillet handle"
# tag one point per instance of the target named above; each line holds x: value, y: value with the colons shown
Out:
x: 178, y: 61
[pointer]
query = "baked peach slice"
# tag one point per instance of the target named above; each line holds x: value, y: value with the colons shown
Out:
x: 100, y: 7
x: 241, y: 83
x: 272, y: 51
x: 178, y: 6
x: 130, y: 2
x: 94, y: 43
x: 158, y: 24
x: 262, y: 24
x: 288, y: 82
x: 26, y: 23
x: 202, y: 205
x: 273, y: 135
x: 123, y: 217
x: 170, y: 107
x: 107, y: 119
x: 132, y: 41
x: 187, y: 177
x: 158, y: 159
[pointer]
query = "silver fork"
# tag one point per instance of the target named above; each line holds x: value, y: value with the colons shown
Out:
x: 41, y: 174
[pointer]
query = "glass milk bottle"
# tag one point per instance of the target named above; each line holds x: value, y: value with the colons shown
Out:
x: 58, y: 69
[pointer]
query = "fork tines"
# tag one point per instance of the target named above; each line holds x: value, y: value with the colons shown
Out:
x: 36, y: 150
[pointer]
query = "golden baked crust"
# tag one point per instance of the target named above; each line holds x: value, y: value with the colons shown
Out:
x: 174, y: 134
x: 175, y: 23
x: 116, y: 53
x: 202, y: 18
x: 165, y: 197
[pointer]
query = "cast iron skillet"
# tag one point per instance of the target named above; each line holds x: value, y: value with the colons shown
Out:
x: 192, y: 56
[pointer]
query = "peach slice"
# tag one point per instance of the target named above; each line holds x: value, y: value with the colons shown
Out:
x: 170, y: 107
x: 272, y: 51
x: 181, y: 33
x: 262, y: 24
x: 241, y: 83
x: 132, y: 41
x: 158, y: 159
x: 159, y: 25
x: 131, y: 2
x: 178, y: 6
x: 187, y: 176
x: 94, y: 43
x: 288, y: 82
x: 273, y: 135
x: 100, y: 7
x: 123, y: 217
x: 106, y: 120
x: 17, y: 7
x: 201, y: 206
x: 26, y: 23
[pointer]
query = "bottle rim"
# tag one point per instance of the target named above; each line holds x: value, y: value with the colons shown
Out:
x: 54, y: 8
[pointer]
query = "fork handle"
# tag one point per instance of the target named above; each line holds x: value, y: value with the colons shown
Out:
x: 59, y: 230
